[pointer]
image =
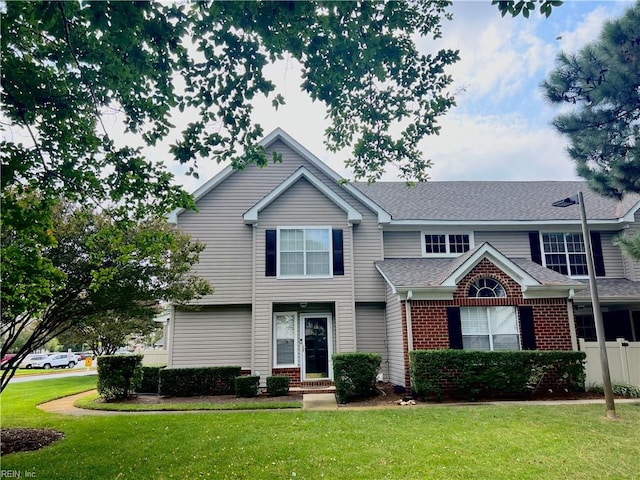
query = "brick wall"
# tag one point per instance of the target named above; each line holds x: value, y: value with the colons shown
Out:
x: 292, y: 373
x: 429, y: 317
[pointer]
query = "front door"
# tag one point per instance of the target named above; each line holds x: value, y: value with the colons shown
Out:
x: 316, y: 337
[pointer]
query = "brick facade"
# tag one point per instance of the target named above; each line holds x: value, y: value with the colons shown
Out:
x: 429, y: 317
x: 292, y: 373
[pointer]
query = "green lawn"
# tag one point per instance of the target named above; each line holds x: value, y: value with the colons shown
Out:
x: 477, y: 442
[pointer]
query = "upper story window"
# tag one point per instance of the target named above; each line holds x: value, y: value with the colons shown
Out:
x: 304, y: 252
x: 565, y: 253
x: 487, y: 288
x: 445, y: 244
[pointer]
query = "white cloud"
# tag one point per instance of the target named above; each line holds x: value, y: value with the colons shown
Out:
x: 497, y: 148
x: 501, y: 129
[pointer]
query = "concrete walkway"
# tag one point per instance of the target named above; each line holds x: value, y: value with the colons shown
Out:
x: 65, y: 405
x: 319, y: 401
x: 310, y: 402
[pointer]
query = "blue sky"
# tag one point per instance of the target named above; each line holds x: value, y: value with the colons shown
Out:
x: 500, y: 129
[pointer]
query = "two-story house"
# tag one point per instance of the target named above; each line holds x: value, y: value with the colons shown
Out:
x: 304, y: 266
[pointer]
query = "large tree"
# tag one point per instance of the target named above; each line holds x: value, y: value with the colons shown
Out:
x: 601, y: 84
x: 67, y: 65
x: 105, y: 332
x: 115, y: 268
x: 69, y: 68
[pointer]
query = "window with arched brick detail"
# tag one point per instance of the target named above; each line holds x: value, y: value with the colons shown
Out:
x: 485, y: 287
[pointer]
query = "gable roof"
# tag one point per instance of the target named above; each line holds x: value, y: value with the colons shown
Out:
x: 251, y: 215
x: 437, y: 278
x: 280, y: 135
x: 489, y: 201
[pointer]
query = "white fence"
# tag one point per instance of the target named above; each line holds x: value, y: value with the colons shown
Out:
x: 624, y: 362
x: 154, y: 357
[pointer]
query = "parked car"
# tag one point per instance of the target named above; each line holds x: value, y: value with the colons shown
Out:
x: 31, y: 358
x: 6, y: 359
x: 56, y: 360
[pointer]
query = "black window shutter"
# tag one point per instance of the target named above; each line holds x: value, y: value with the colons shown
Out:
x: 598, y: 259
x: 270, y: 269
x: 338, y: 252
x: 534, y: 243
x: 455, y: 327
x: 527, y: 328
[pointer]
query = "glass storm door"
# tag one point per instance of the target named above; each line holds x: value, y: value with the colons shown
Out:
x: 316, y: 331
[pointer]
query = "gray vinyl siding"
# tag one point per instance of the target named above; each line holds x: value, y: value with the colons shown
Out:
x: 227, y: 261
x: 612, y: 256
x: 630, y: 265
x: 511, y: 244
x: 367, y: 248
x: 213, y: 336
x: 402, y: 244
x: 302, y: 205
x: 395, y: 342
x: 371, y: 333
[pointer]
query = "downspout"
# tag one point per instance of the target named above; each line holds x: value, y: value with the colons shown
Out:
x: 407, y: 306
x: 572, y: 321
x: 169, y: 338
x: 254, y: 230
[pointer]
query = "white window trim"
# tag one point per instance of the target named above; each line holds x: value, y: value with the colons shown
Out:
x: 566, y: 254
x: 490, y: 333
x: 423, y: 243
x: 299, y: 277
x: 296, y: 341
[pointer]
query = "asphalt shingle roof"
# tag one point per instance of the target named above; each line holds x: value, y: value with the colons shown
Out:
x: 431, y: 272
x: 492, y: 201
x: 612, y: 288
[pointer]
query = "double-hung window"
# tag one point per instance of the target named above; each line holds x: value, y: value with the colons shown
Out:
x: 285, y: 325
x: 441, y: 244
x: 489, y: 328
x: 565, y: 253
x: 304, y: 252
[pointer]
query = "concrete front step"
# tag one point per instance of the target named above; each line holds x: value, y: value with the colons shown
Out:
x: 319, y: 401
x: 306, y: 389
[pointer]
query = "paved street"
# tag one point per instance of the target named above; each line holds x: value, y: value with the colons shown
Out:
x: 76, y: 372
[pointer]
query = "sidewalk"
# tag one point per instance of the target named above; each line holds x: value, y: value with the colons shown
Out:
x: 312, y: 402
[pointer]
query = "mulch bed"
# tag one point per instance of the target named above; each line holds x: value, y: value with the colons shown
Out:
x: 27, y: 439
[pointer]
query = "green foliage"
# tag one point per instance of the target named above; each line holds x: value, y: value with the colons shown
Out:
x: 119, y: 376
x: 360, y: 60
x: 150, y: 378
x: 630, y: 245
x: 525, y: 7
x: 114, y: 273
x: 355, y: 374
x: 479, y: 443
x: 621, y: 389
x: 602, y: 82
x: 68, y: 66
x: 188, y: 382
x: 470, y: 375
x: 278, y: 385
x: 246, y: 386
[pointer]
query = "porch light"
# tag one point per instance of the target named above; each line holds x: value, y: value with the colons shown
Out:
x: 595, y: 301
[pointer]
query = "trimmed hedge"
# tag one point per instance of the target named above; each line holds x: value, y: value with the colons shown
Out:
x: 355, y: 374
x: 247, y: 386
x: 119, y: 376
x: 278, y: 385
x: 150, y: 378
x: 192, y: 381
x: 469, y: 375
